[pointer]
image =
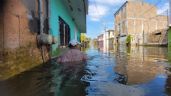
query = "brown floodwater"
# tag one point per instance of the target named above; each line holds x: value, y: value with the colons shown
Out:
x: 122, y: 71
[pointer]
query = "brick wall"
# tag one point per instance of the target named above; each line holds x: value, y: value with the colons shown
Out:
x: 20, y: 51
x: 134, y: 18
x: 16, y: 29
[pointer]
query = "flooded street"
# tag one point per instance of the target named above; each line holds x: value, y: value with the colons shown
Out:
x: 136, y: 71
x: 127, y: 43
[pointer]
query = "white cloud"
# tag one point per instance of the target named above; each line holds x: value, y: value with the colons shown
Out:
x: 100, y: 8
x: 97, y: 12
x: 110, y: 2
x: 163, y: 9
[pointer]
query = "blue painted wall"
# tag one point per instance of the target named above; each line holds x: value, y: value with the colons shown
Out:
x: 57, y: 9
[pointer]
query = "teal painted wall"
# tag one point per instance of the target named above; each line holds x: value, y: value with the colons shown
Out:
x: 79, y: 37
x: 57, y: 9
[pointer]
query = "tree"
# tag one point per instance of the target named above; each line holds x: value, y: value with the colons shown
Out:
x: 128, y: 40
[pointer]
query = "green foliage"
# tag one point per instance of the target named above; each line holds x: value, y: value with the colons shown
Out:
x: 128, y: 40
x: 83, y: 37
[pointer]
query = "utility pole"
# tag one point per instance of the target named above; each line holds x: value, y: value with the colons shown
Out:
x: 105, y: 43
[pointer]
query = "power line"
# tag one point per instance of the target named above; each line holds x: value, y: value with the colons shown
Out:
x: 104, y: 23
x: 96, y: 7
x: 150, y: 8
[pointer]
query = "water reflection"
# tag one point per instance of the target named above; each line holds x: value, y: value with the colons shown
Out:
x: 35, y: 82
x: 168, y: 84
x: 127, y: 69
x: 50, y: 79
x: 102, y: 78
x: 135, y: 71
x: 143, y: 67
x: 67, y: 78
x: 140, y: 64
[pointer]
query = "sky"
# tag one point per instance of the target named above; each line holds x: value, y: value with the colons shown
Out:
x: 101, y: 14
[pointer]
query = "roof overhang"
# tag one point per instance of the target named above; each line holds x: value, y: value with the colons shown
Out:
x: 78, y: 9
x: 120, y: 8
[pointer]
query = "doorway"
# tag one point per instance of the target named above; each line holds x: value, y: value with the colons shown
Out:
x: 64, y: 30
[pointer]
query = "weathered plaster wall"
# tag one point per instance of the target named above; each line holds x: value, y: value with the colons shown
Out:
x: 20, y: 51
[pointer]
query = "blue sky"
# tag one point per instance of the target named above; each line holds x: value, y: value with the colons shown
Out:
x: 101, y: 14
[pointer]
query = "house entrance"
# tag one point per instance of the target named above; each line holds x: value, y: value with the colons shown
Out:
x: 64, y: 30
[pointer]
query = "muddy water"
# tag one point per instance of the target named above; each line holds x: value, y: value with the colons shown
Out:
x: 136, y: 71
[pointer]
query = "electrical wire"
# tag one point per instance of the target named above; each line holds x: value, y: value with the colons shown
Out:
x: 95, y: 3
x: 98, y: 12
x: 150, y: 8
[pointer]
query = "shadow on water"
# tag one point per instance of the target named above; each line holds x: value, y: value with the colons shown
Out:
x: 34, y: 82
x: 67, y: 78
x: 50, y: 79
x: 145, y: 68
x: 137, y: 71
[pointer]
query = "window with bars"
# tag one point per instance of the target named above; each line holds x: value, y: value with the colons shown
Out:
x: 64, y: 30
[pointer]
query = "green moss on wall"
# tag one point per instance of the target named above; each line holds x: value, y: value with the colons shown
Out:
x: 169, y: 44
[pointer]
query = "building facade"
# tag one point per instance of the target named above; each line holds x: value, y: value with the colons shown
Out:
x: 67, y: 20
x: 138, y: 19
x: 19, y: 28
x: 109, y: 39
x: 106, y: 41
x: 100, y: 42
x: 32, y: 30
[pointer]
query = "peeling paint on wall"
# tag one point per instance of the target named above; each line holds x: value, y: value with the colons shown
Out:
x: 33, y: 15
x: 18, y: 30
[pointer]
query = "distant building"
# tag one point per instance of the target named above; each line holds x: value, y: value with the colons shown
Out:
x: 109, y: 39
x: 67, y: 20
x: 100, y: 42
x: 138, y: 19
x: 106, y: 41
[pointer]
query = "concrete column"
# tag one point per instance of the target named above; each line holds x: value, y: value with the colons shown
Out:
x: 107, y: 41
x: 142, y: 33
x: 156, y: 25
x: 104, y: 41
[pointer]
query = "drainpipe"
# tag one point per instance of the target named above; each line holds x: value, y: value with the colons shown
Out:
x: 40, y: 8
x: 44, y: 38
x: 41, y: 15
